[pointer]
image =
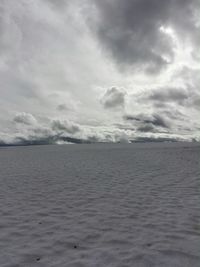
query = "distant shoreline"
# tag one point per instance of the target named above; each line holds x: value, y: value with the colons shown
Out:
x: 93, y: 143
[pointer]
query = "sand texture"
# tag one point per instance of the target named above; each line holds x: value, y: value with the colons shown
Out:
x: 100, y: 205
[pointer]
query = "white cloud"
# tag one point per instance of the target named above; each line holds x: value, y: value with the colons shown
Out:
x: 25, y: 118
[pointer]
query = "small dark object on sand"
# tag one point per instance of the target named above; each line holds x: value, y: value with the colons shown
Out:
x: 75, y: 246
x: 38, y: 259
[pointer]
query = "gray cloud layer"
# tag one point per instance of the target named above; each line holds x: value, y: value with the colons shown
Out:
x: 147, y: 123
x: 189, y: 97
x: 63, y: 65
x: 130, y: 30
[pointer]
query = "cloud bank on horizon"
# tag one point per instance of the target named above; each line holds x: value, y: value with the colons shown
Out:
x: 99, y: 71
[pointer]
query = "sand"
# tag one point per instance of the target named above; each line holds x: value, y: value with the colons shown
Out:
x: 100, y: 205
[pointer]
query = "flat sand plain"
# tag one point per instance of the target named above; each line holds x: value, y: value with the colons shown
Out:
x: 100, y: 205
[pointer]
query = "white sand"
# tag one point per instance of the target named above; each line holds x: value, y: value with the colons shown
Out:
x: 100, y: 205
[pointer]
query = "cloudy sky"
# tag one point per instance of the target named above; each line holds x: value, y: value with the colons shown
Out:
x: 99, y: 70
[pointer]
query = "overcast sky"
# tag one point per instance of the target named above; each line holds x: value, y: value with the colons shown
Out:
x: 99, y: 70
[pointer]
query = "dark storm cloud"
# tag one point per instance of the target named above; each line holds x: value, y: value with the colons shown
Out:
x: 160, y: 97
x: 113, y: 98
x: 157, y: 120
x: 149, y: 121
x: 196, y: 102
x: 130, y: 29
x: 146, y: 129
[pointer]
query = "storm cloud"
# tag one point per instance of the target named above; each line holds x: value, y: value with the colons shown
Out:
x: 150, y: 120
x: 135, y: 32
x: 181, y: 96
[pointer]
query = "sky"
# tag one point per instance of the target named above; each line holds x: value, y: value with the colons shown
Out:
x: 99, y: 71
